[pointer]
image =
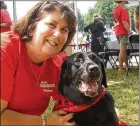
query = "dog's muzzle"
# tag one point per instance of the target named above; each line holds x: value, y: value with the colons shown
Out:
x: 89, y: 81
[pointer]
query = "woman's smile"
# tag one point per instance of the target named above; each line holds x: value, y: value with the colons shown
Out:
x: 52, y: 43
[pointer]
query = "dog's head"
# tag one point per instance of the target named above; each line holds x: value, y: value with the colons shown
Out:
x: 82, y: 77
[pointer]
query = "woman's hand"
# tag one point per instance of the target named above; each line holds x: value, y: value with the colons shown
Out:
x: 59, y: 117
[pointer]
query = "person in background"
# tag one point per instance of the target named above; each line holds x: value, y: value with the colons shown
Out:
x: 31, y: 64
x: 136, y: 19
x: 122, y: 31
x: 96, y: 28
x: 5, y: 22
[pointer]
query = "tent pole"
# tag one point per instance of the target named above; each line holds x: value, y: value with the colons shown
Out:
x: 14, y: 11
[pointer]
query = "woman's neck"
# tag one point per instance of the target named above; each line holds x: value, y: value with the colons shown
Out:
x: 33, y: 55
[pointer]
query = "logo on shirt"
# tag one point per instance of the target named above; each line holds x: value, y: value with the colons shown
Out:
x: 46, y: 86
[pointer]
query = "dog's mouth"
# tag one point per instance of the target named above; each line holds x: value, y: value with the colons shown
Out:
x: 89, y: 88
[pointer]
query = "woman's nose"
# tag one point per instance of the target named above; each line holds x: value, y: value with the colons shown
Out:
x: 56, y: 32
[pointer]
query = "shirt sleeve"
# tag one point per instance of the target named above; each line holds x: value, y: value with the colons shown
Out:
x: 5, y: 17
x: 124, y: 15
x: 116, y: 14
x: 87, y: 28
x: 102, y: 27
x: 8, y: 66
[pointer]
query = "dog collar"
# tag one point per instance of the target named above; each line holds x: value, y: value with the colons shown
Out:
x: 67, y: 105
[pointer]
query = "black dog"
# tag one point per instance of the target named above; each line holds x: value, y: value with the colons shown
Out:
x: 82, y: 80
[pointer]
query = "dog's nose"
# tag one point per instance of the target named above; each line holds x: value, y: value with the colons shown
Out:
x: 93, y: 69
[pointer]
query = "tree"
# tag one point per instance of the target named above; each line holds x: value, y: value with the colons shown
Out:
x: 80, y: 21
x: 131, y: 13
x: 89, y: 17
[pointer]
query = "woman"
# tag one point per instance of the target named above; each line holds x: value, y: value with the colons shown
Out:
x: 122, y: 30
x: 5, y: 23
x: 31, y: 67
x: 136, y: 19
x: 96, y: 29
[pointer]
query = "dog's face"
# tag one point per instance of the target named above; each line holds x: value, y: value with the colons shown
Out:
x: 82, y: 77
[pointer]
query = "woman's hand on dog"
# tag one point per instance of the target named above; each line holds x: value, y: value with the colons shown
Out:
x: 60, y: 117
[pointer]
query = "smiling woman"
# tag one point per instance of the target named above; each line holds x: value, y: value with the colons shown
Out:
x: 31, y: 57
x: 49, y: 37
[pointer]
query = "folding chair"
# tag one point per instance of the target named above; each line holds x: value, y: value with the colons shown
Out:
x: 109, y: 52
x: 134, y: 47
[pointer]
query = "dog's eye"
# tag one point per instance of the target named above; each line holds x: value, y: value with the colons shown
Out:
x: 78, y: 60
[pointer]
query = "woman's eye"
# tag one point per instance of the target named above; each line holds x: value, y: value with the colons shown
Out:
x: 51, y: 25
x: 64, y: 30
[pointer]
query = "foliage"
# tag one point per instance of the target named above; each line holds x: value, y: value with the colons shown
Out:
x: 125, y: 93
x: 80, y: 21
x: 89, y: 17
x: 131, y: 14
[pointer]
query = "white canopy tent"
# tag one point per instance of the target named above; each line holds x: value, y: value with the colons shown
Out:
x: 134, y: 3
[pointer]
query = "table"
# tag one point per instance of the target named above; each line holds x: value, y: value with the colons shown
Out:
x: 82, y: 47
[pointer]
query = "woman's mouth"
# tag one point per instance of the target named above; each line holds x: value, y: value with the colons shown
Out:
x: 52, y: 43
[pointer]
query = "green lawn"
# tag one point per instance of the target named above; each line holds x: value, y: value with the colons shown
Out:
x: 125, y: 92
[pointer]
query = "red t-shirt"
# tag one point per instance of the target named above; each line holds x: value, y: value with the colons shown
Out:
x: 18, y: 84
x: 121, y: 14
x: 5, y: 18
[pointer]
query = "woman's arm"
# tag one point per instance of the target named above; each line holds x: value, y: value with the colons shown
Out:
x: 86, y: 28
x: 9, y: 117
x: 102, y: 27
x: 137, y: 27
x: 126, y: 25
x: 136, y: 22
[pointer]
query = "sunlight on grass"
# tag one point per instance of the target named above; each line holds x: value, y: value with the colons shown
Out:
x: 113, y: 83
x: 125, y: 92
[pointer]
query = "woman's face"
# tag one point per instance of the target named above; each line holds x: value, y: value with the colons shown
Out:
x: 50, y: 35
x: 124, y: 3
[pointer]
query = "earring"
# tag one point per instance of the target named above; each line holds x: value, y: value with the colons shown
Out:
x: 30, y: 34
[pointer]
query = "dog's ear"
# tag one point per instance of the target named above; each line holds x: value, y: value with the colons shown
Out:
x: 104, y: 81
x: 63, y: 68
x: 62, y: 76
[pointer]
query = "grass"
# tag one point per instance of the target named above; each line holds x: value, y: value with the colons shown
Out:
x: 125, y: 92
